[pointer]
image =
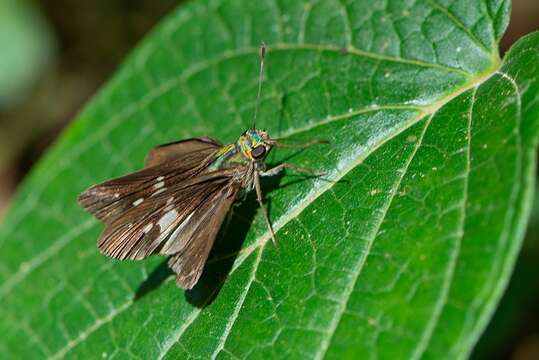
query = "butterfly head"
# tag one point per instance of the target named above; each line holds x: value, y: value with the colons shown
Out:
x: 255, y: 144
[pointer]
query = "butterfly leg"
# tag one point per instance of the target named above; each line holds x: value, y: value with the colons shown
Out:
x: 264, y: 210
x: 277, y: 169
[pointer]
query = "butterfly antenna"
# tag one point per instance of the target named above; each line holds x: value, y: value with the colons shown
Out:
x: 262, y: 54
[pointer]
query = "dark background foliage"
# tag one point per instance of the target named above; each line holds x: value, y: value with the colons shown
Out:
x: 90, y: 39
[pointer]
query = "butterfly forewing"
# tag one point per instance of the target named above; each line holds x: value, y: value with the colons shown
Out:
x: 169, y: 163
x: 189, y: 150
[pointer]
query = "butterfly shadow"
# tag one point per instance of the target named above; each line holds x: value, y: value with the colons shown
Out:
x: 223, y: 254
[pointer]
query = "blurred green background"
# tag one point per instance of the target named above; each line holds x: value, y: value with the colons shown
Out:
x: 57, y: 53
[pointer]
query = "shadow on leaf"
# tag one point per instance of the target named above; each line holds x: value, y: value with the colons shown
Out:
x: 223, y: 255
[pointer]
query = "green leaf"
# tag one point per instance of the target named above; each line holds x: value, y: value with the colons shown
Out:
x: 402, y: 251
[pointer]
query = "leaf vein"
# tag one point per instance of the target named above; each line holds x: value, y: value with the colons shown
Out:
x: 84, y: 334
x: 27, y: 267
x: 461, y: 26
x: 446, y: 286
x: 502, y: 263
x: 370, y: 240
x: 239, y: 305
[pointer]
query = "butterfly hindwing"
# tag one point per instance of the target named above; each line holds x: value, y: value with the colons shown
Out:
x: 195, y: 241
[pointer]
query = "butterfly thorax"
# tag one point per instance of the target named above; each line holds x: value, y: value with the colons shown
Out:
x: 251, y: 147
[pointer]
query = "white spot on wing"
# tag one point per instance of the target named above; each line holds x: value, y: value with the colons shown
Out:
x: 160, y: 182
x: 159, y: 191
x: 148, y: 228
x: 159, y: 185
x: 167, y: 219
x: 138, y: 202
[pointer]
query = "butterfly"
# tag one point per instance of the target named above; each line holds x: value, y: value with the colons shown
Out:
x: 177, y: 203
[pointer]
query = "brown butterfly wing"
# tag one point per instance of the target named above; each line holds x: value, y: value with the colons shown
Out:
x: 129, y: 204
x: 179, y: 149
x: 169, y: 164
x: 145, y: 229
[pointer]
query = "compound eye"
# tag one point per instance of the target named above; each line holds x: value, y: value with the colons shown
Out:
x: 258, y: 152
